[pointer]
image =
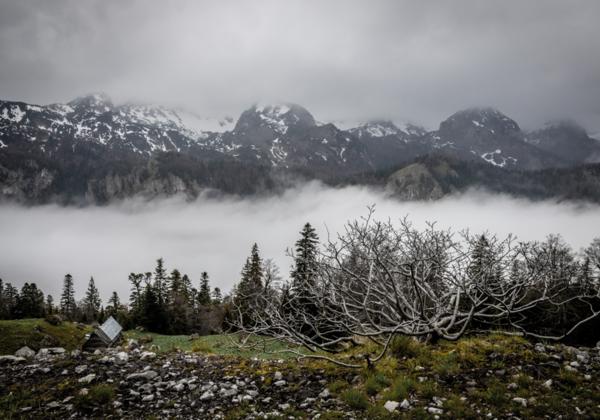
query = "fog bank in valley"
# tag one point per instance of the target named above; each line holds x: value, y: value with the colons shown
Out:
x: 41, y: 244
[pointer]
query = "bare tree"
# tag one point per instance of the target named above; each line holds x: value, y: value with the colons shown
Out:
x: 377, y: 280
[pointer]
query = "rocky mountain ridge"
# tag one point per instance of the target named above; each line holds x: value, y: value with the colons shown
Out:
x: 91, y: 150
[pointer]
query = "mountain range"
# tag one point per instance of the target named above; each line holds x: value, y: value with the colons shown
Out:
x: 93, y: 151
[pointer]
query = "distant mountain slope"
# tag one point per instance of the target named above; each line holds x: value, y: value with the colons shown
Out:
x: 434, y: 177
x: 91, y: 150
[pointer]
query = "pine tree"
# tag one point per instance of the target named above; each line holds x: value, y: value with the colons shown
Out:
x: 304, y: 273
x: 178, y: 305
x: 49, y: 304
x: 3, y: 310
x: 136, y: 291
x: 114, y: 304
x: 250, y: 287
x: 217, y: 298
x: 204, y: 292
x: 10, y: 297
x: 30, y: 302
x: 67, y: 298
x: 92, y: 301
x: 160, y: 282
x: 186, y: 285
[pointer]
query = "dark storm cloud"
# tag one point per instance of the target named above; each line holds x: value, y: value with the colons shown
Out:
x: 410, y: 60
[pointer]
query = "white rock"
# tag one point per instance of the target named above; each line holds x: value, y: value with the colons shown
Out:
x: 147, y: 355
x: 121, y: 357
x: 147, y: 398
x: 207, y: 396
x: 521, y: 401
x: 87, y: 379
x: 391, y: 406
x: 25, y: 352
x: 547, y: 384
x: 405, y: 404
x: 11, y: 359
x: 80, y: 369
x: 284, y: 407
x: 324, y: 394
x: 147, y: 375
x: 435, y: 410
x: 278, y: 376
x: 280, y: 383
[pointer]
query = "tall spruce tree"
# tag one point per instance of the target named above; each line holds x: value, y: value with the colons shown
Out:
x: 178, y: 305
x: 305, y: 270
x: 249, y: 287
x: 114, y: 304
x: 217, y: 297
x: 204, y: 292
x: 160, y: 282
x: 92, y: 301
x: 67, y: 298
x: 135, y: 297
x: 49, y: 304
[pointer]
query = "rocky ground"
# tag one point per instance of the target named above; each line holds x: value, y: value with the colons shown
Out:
x: 135, y: 382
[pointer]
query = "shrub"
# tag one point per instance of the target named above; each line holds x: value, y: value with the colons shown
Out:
x: 376, y: 383
x: 355, y: 399
x: 98, y: 396
x: 405, y: 346
x: 400, y: 389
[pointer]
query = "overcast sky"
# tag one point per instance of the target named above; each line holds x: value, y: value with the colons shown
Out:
x: 407, y: 60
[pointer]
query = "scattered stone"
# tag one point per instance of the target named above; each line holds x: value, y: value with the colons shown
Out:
x: 280, y: 383
x: 391, y: 406
x: 25, y: 352
x: 147, y: 398
x: 547, y: 384
x: 121, y: 357
x: 148, y: 375
x: 87, y: 379
x: 284, y: 406
x: 278, y: 376
x: 435, y: 410
x: 512, y: 386
x: 11, y: 359
x: 80, y: 369
x: 521, y: 401
x: 207, y: 396
x: 405, y: 404
x: 540, y: 348
x: 324, y: 394
x: 147, y: 355
x: 52, y: 405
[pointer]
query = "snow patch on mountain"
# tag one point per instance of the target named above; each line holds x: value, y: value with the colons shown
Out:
x: 12, y: 114
x: 495, y: 158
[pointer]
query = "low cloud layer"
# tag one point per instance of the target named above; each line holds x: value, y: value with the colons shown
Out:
x: 402, y: 59
x: 41, y: 244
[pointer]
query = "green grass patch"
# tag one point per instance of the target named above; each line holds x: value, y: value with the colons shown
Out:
x: 222, y: 344
x: 98, y: 396
x: 375, y: 383
x: 37, y: 333
x: 355, y: 399
x: 400, y: 389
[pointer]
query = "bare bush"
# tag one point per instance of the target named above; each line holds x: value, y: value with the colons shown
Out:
x: 377, y: 280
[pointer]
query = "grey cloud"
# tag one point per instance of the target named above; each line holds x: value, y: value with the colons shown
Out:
x: 408, y: 60
x: 41, y: 244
